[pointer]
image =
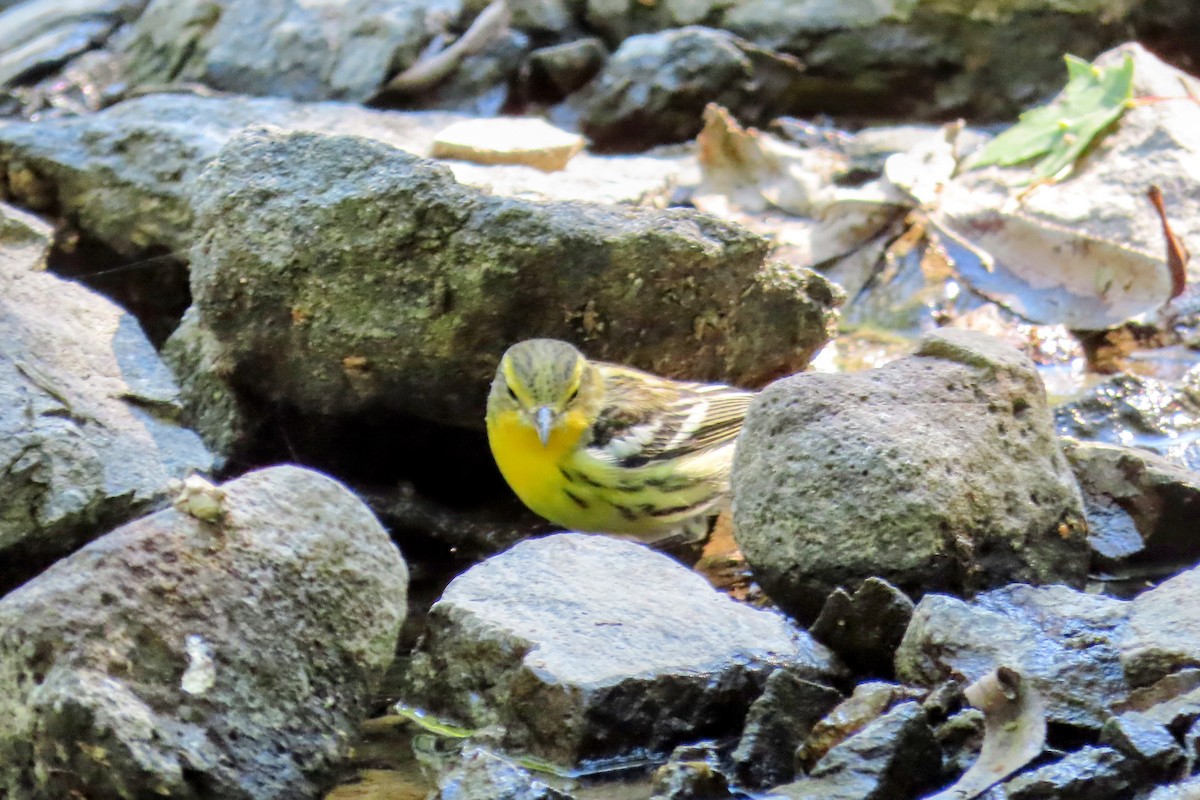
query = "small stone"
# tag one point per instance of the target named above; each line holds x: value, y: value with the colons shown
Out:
x: 560, y: 69
x: 776, y: 724
x: 895, y: 756
x: 865, y: 628
x: 864, y: 706
x: 1147, y: 742
x: 691, y: 773
x: 508, y: 140
x: 198, y: 497
x: 1187, y: 790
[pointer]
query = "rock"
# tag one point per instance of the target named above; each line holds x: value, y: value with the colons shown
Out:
x: 300, y: 49
x: 865, y: 628
x: 937, y: 471
x: 778, y: 721
x: 480, y: 84
x: 1149, y: 744
x: 1186, y: 790
x: 123, y: 175
x: 960, y: 738
x: 44, y: 34
x: 1164, y: 630
x: 655, y: 87
x: 542, y: 16
x: 481, y: 775
x: 868, y: 702
x: 1156, y: 415
x: 579, y: 648
x: 89, y: 413
x: 1145, y: 506
x: 895, y: 756
x: 1092, y: 773
x: 1066, y: 643
x: 211, y: 405
x: 388, y: 286
x: 1085, y: 654
x: 510, y: 140
x: 558, y: 70
x: 193, y: 659
x: 691, y: 773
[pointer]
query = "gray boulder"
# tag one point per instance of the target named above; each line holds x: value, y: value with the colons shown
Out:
x: 655, y: 87
x: 178, y: 657
x: 376, y: 282
x: 310, y: 50
x: 574, y: 648
x: 940, y: 470
x: 89, y: 432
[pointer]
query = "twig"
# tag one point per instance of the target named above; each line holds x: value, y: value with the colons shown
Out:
x: 431, y: 70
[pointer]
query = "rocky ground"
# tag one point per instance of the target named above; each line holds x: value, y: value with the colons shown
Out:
x: 258, y: 262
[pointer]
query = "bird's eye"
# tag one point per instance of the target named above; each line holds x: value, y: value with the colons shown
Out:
x: 511, y: 393
x: 574, y: 393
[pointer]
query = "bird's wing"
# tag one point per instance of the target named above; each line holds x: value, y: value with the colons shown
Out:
x: 647, y: 419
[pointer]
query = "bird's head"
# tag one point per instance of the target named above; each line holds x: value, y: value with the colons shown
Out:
x: 548, y: 384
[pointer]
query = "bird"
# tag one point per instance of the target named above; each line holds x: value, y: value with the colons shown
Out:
x: 604, y: 448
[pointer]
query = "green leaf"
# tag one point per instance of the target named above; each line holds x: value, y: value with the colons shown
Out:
x: 1059, y: 133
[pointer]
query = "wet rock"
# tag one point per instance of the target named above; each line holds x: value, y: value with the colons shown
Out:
x: 1147, y: 743
x: 1139, y: 505
x: 227, y: 659
x: 481, y: 775
x: 960, y: 738
x: 558, y: 70
x: 776, y: 724
x: 691, y: 773
x: 376, y: 281
x: 581, y: 647
x: 865, y: 628
x: 1158, y: 416
x: 1164, y: 630
x: 1092, y: 773
x: 1066, y: 643
x: 1178, y: 712
x: 89, y: 416
x: 654, y: 87
x: 542, y: 16
x: 44, y: 34
x: 894, y: 756
x: 938, y: 470
x: 1084, y: 653
x: 1186, y: 790
x: 325, y: 50
x: 868, y: 702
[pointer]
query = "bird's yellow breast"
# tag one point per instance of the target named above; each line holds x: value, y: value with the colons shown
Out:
x: 533, y: 470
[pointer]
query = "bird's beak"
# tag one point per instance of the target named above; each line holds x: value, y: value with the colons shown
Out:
x: 543, y: 420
